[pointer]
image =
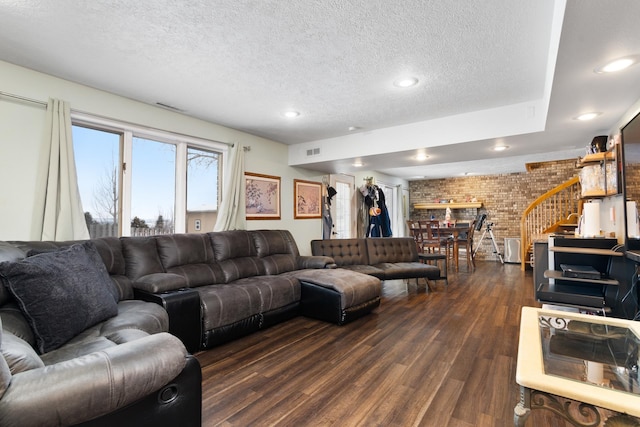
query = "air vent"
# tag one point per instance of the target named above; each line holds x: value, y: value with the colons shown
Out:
x: 169, y: 107
x: 313, y: 152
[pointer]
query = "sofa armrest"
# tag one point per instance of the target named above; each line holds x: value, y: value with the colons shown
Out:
x: 178, y: 403
x: 183, y: 308
x: 160, y: 282
x: 315, y: 261
x: 90, y: 386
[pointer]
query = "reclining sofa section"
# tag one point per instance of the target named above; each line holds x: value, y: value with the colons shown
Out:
x: 386, y: 258
x: 222, y: 285
x: 58, y: 368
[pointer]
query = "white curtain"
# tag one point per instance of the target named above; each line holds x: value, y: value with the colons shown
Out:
x: 231, y: 215
x: 62, y: 215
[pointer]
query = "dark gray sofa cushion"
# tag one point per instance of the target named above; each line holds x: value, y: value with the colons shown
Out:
x: 277, y: 250
x: 391, y: 249
x: 61, y: 293
x: 92, y: 251
x: 345, y: 252
x: 229, y: 303
x: 180, y: 249
x: 141, y: 256
x: 232, y: 244
x: 408, y: 270
x: 190, y: 256
x: 366, y: 269
x: 160, y: 282
x: 270, y: 242
x: 20, y: 356
x: 236, y: 254
x: 110, y: 250
x: 8, y: 252
x: 354, y: 289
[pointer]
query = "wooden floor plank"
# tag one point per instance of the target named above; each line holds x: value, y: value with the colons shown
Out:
x: 442, y: 358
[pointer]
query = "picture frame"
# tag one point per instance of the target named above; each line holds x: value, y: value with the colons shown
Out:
x: 262, y: 196
x: 307, y: 199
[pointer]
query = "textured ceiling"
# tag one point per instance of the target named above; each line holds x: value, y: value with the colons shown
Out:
x: 242, y: 63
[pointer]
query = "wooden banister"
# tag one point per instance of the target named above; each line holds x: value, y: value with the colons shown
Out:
x: 545, y: 213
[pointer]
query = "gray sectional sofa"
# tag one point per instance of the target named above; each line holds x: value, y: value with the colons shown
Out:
x: 91, y: 347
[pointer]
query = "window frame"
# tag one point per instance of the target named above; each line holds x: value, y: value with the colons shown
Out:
x: 181, y: 141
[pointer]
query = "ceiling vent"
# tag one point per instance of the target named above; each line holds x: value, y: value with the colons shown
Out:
x: 313, y: 152
x: 169, y: 107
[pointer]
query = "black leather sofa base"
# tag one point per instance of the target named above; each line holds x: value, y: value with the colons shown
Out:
x: 183, y: 307
x: 179, y: 403
x: 338, y: 295
x: 248, y: 326
x: 325, y: 304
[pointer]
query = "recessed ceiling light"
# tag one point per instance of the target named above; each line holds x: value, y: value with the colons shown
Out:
x: 500, y: 147
x: 291, y: 114
x: 357, y: 164
x: 617, y: 65
x: 352, y: 128
x: 587, y: 116
x: 421, y: 157
x: 406, y: 82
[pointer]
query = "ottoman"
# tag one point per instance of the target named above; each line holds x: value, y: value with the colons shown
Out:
x: 337, y: 295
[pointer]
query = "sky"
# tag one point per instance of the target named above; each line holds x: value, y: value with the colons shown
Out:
x: 153, y: 176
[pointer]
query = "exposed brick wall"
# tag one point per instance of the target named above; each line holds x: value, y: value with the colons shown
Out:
x: 632, y: 178
x: 504, y: 197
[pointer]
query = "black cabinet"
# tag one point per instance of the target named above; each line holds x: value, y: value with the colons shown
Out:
x: 610, y: 291
x: 540, y: 263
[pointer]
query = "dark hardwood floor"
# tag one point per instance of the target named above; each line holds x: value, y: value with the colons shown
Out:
x: 446, y: 358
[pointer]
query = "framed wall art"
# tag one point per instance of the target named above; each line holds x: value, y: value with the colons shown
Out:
x: 262, y: 199
x: 307, y: 199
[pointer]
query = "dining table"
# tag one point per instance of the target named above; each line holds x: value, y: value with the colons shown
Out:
x: 453, y: 231
x: 448, y: 230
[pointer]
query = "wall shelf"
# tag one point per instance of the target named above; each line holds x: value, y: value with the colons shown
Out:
x: 469, y: 205
x: 596, y: 158
x: 585, y: 251
x: 599, y: 175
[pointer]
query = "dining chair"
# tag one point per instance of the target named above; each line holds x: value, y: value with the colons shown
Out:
x: 465, y: 241
x: 442, y: 236
x: 430, y: 241
x: 416, y: 233
x: 429, y: 256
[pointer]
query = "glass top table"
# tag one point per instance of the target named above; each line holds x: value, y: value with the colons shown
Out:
x: 590, y: 360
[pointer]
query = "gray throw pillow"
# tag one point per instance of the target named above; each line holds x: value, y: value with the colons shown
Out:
x: 94, y: 258
x: 61, y: 293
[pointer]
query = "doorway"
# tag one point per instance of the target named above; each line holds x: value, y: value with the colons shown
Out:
x: 343, y: 206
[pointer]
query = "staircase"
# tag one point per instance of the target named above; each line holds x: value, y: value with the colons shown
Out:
x: 555, y: 211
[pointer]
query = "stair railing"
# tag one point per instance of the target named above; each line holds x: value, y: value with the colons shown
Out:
x: 546, y: 212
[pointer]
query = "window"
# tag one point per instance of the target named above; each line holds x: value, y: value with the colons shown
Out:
x: 153, y: 184
x: 145, y: 182
x: 97, y: 155
x: 202, y: 189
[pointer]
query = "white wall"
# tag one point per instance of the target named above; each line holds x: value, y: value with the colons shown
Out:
x: 22, y: 136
